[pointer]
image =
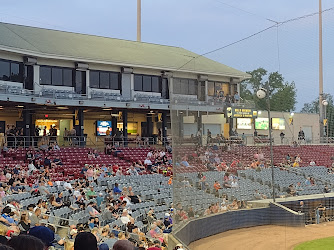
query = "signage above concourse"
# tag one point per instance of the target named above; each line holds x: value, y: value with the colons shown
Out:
x: 241, y: 113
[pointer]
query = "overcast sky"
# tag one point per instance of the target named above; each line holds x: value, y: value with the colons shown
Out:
x: 201, y: 26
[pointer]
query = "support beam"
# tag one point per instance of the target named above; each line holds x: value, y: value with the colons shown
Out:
x: 164, y: 127
x: 125, y: 127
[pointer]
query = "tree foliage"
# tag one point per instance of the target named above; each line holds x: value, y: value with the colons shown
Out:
x: 313, y: 107
x: 282, y: 94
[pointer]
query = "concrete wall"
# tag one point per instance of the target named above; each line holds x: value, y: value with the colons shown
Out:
x: 203, y: 227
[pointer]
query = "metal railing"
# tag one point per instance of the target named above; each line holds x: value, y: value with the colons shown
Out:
x: 98, y: 142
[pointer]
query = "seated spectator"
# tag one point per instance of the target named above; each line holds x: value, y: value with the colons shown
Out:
x: 291, y: 190
x: 156, y: 233
x: 308, y: 181
x: 45, y: 234
x: 148, y: 164
x: 24, y: 224
x: 216, y: 186
x: 132, y: 171
x: 312, y: 163
x: 53, y: 201
x: 85, y: 241
x: 327, y: 189
x: 126, y: 218
x: 233, y: 205
x: 259, y: 196
x: 26, y: 242
x: 91, y: 210
x: 35, y: 217
x: 116, y: 189
x: 90, y: 194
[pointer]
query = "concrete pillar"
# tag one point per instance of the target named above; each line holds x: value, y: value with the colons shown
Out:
x: 149, y: 127
x: 164, y: 127
x: 88, y: 90
x: 113, y: 125
x: 125, y: 127
x: 181, y: 125
x: 78, y: 122
x: 37, y: 87
x: 206, y: 91
x: 127, y: 83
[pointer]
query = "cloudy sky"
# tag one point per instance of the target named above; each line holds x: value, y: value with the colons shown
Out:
x: 202, y: 26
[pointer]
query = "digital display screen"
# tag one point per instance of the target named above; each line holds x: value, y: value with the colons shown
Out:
x: 244, y: 123
x: 262, y: 123
x: 278, y: 123
x: 102, y: 127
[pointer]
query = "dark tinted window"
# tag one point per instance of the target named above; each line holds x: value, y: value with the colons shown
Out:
x: 4, y: 70
x: 68, y: 77
x: 94, y: 79
x: 184, y: 86
x: 177, y: 86
x: 15, y: 75
x: 147, y: 84
x: 114, y: 81
x: 192, y: 87
x: 155, y: 84
x: 57, y: 76
x: 138, y: 84
x: 45, y: 75
x: 104, y: 80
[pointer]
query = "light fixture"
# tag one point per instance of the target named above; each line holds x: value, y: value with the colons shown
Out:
x: 260, y: 112
x: 324, y: 102
x: 261, y: 93
x: 62, y: 107
x: 292, y: 114
x: 107, y: 109
x: 20, y: 106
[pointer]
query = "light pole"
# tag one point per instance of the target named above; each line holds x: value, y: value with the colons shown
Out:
x: 261, y: 94
x: 325, y: 103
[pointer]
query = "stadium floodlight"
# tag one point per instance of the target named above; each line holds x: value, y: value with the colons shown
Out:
x: 261, y: 94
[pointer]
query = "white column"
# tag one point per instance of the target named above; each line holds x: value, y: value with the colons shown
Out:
x: 88, y: 90
x: 37, y: 86
x: 206, y: 91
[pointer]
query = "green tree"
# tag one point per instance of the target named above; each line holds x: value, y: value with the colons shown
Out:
x: 282, y: 94
x: 313, y: 107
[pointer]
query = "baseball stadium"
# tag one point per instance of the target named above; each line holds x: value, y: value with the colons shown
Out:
x: 110, y: 143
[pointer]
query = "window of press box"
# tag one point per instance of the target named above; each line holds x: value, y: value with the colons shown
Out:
x: 11, y: 71
x: 185, y: 86
x: 56, y: 76
x: 104, y: 80
x: 215, y: 87
x: 147, y: 83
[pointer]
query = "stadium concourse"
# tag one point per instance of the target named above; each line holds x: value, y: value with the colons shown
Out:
x: 127, y: 193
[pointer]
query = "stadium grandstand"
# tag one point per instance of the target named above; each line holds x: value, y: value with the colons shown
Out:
x: 112, y: 137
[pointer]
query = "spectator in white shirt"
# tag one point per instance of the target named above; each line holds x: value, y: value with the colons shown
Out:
x: 149, y: 154
x: 312, y: 163
x: 68, y: 186
x: 31, y: 167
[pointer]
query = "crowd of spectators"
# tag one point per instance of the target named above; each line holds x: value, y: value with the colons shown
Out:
x: 80, y: 194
